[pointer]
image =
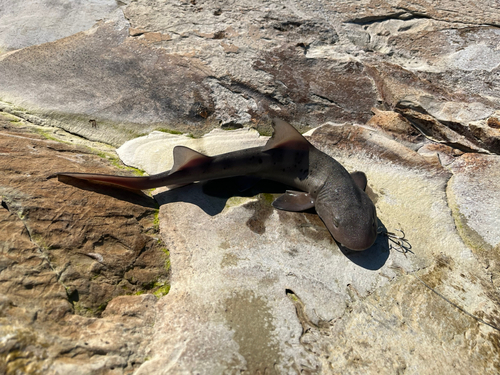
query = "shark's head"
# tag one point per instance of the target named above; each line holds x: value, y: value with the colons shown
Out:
x: 349, y: 215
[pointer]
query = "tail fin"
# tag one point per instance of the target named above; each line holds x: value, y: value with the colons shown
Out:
x: 135, y: 183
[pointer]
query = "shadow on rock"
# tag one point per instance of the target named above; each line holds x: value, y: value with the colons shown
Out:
x: 193, y: 194
x: 212, y: 196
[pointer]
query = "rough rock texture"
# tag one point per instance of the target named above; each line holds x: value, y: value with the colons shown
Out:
x: 406, y: 91
x: 266, y: 290
x: 65, y: 253
x: 27, y: 23
x: 193, y: 65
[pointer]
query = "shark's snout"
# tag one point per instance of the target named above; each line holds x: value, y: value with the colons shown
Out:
x: 353, y: 225
x: 360, y: 237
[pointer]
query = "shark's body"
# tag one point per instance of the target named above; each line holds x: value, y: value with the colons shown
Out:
x: 338, y: 196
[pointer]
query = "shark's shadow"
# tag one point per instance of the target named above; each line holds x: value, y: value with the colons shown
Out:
x: 212, y: 197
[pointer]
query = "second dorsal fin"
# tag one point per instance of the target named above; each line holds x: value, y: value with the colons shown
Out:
x: 285, y: 134
x: 185, y: 157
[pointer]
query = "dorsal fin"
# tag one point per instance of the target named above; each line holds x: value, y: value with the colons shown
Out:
x: 285, y: 135
x: 185, y: 157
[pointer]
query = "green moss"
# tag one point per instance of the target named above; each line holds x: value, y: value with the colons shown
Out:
x: 11, y: 118
x: 237, y: 201
x: 40, y: 241
x: 148, y: 285
x: 167, y: 259
x: 79, y: 309
x: 101, y: 308
x: 116, y: 162
x: 156, y: 222
x: 169, y: 131
x: 25, y: 357
x: 162, y: 290
x: 49, y: 137
x: 90, y: 312
x: 47, y: 134
x: 264, y: 131
x: 267, y: 197
x: 469, y: 236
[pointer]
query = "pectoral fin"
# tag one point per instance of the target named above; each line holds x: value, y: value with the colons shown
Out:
x: 294, y: 201
x: 360, y: 179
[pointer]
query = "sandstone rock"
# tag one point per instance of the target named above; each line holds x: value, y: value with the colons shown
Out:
x: 426, y: 58
x: 24, y: 24
x: 253, y: 289
x: 65, y: 252
x: 156, y: 65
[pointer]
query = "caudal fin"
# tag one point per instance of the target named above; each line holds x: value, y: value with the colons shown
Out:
x: 135, y: 183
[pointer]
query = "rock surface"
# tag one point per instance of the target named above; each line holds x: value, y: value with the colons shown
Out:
x: 264, y: 290
x: 191, y: 66
x: 153, y: 153
x: 405, y: 91
x: 24, y: 24
x: 66, y: 253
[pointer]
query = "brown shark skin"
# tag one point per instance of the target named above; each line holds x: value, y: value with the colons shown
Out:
x: 347, y: 211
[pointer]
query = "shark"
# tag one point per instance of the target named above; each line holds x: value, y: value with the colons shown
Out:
x: 321, y: 182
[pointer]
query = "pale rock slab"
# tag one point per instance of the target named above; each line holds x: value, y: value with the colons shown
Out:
x: 239, y: 268
x: 474, y: 190
x: 153, y: 152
